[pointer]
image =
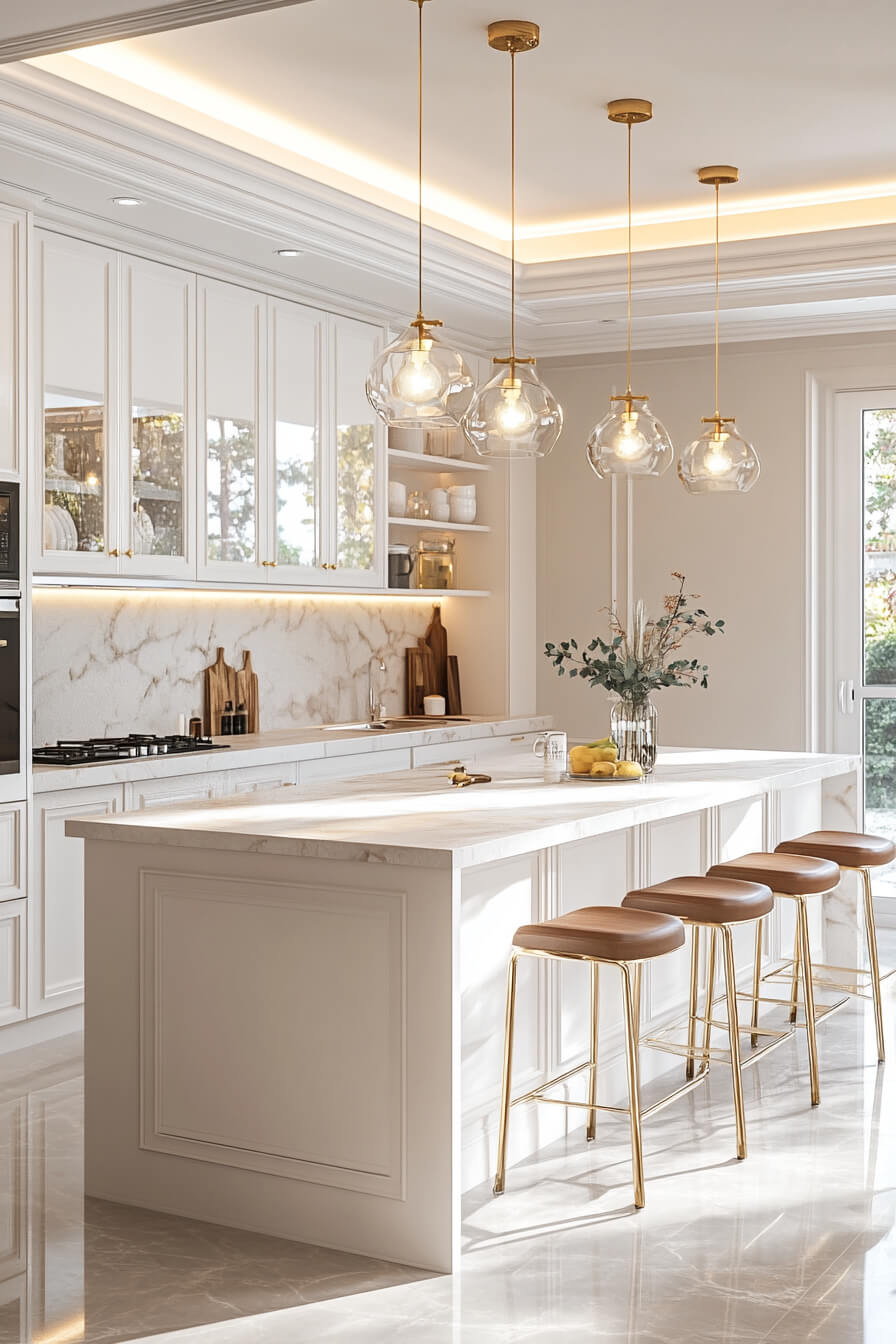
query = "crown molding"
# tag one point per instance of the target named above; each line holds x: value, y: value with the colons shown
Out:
x: 114, y: 26
x: 841, y: 281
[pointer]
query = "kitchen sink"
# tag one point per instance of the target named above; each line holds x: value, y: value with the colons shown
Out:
x: 401, y: 721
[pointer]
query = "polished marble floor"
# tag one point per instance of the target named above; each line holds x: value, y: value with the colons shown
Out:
x: 796, y: 1244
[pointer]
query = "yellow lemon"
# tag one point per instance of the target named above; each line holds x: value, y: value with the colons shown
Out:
x: 628, y: 770
x: 603, y: 770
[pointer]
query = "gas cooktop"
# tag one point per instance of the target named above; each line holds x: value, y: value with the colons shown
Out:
x: 96, y: 750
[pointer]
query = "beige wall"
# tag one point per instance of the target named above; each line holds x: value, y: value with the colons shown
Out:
x: 744, y: 554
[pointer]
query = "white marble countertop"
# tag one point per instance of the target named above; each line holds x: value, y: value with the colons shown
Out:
x: 295, y: 744
x: 417, y: 818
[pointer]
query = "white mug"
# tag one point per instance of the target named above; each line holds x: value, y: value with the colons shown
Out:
x: 398, y: 498
x: 553, y: 747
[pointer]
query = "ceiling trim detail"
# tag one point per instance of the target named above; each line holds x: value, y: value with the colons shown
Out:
x: 795, y: 285
x: 154, y: 19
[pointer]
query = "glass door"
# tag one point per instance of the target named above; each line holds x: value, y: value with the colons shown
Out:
x: 295, y: 336
x: 156, y: 510
x: 231, y: 332
x: 358, y: 458
x: 77, y: 284
x: 863, y: 635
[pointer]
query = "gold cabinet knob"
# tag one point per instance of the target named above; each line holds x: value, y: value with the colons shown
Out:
x: 269, y: 564
x: 115, y: 552
x: 129, y: 553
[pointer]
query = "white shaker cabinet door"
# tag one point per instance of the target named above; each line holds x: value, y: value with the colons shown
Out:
x: 358, y: 458
x: 56, y: 931
x: 12, y: 961
x: 12, y: 318
x: 156, y: 507
x: 255, y: 779
x: 76, y: 293
x: 232, y: 418
x: 170, y: 792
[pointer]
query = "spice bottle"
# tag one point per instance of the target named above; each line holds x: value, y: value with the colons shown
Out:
x: 227, y: 719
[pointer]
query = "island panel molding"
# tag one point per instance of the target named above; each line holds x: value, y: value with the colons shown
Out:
x: 198, y: 937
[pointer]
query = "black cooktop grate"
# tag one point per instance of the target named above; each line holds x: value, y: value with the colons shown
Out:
x: 96, y: 750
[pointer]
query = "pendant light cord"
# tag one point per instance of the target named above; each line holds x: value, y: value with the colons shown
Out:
x: 717, y: 300
x: 420, y: 4
x: 512, y: 213
x: 628, y: 375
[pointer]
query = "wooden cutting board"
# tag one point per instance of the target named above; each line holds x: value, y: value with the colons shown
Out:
x: 247, y: 692
x: 436, y: 639
x: 415, y: 691
x: 453, y: 699
x: 220, y: 686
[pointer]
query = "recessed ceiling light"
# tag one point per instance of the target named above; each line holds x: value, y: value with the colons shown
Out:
x: 126, y: 200
x: 288, y: 252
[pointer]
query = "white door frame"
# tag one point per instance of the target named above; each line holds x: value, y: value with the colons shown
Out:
x: 819, y: 602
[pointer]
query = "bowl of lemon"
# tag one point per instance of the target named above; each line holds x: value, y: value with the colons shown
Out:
x: 599, y: 763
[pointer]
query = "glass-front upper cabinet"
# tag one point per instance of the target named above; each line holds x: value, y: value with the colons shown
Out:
x: 77, y: 284
x: 358, y: 456
x: 231, y: 331
x: 299, y: 541
x: 156, y: 510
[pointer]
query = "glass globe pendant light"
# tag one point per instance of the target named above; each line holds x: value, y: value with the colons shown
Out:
x: 720, y: 459
x: 417, y: 381
x: 513, y: 415
x: 629, y: 441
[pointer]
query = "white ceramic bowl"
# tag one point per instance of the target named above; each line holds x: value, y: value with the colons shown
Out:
x: 462, y: 491
x: 463, y: 510
x: 440, y: 513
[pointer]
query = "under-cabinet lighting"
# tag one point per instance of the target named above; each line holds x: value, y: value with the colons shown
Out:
x: 119, y: 593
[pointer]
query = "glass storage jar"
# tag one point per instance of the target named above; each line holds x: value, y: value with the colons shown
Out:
x: 435, y: 562
x: 633, y: 729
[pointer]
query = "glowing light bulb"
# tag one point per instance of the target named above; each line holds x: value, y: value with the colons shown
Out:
x: 514, y: 416
x: 630, y: 441
x: 718, y: 459
x: 418, y: 380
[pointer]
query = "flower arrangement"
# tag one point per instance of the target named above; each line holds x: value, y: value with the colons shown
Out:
x: 633, y: 664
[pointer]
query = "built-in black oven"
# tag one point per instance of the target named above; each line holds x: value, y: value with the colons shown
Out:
x: 10, y: 631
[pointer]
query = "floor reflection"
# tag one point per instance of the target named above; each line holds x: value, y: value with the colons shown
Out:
x: 796, y: 1244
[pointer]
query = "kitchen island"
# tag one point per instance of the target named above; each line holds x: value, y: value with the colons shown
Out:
x: 294, y: 1006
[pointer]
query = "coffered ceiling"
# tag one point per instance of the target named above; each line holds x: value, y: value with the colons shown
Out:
x: 800, y: 96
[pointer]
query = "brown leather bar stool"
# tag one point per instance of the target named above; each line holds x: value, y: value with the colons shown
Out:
x: 599, y: 936
x: 854, y: 853
x: 718, y: 904
x: 794, y: 878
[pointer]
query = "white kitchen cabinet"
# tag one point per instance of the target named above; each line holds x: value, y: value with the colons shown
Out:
x: 12, y: 291
x: 56, y: 932
x: 169, y: 792
x: 76, y: 287
x: 232, y: 413
x: 12, y: 852
x: 349, y: 767
x: 359, y: 460
x: 156, y: 506
x: 13, y: 917
x: 256, y: 778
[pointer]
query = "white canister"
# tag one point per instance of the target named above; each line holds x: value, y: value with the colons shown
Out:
x: 398, y: 499
x: 433, y: 705
x: 553, y: 747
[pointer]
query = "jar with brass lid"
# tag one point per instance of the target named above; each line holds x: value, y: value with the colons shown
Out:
x: 435, y: 562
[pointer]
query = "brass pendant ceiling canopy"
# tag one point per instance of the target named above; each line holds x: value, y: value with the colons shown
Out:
x: 514, y: 415
x: 417, y: 380
x: 629, y: 440
x: 720, y: 460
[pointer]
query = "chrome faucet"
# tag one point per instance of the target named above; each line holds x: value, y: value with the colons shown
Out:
x: 376, y: 710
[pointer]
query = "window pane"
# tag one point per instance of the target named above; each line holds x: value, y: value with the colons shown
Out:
x: 295, y: 409
x: 879, y: 441
x: 880, y: 782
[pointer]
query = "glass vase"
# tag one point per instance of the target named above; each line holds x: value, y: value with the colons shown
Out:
x: 633, y: 729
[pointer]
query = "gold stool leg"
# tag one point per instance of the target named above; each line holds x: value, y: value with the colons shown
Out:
x: 634, y: 1096
x: 808, y: 996
x: 871, y: 935
x: 795, y: 978
x: 757, y: 983
x: 505, y: 1080
x: 692, y: 1002
x: 734, y: 1042
x: 591, y: 1128
x: 710, y: 994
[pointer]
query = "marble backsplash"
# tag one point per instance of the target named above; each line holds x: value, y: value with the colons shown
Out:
x: 108, y: 663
